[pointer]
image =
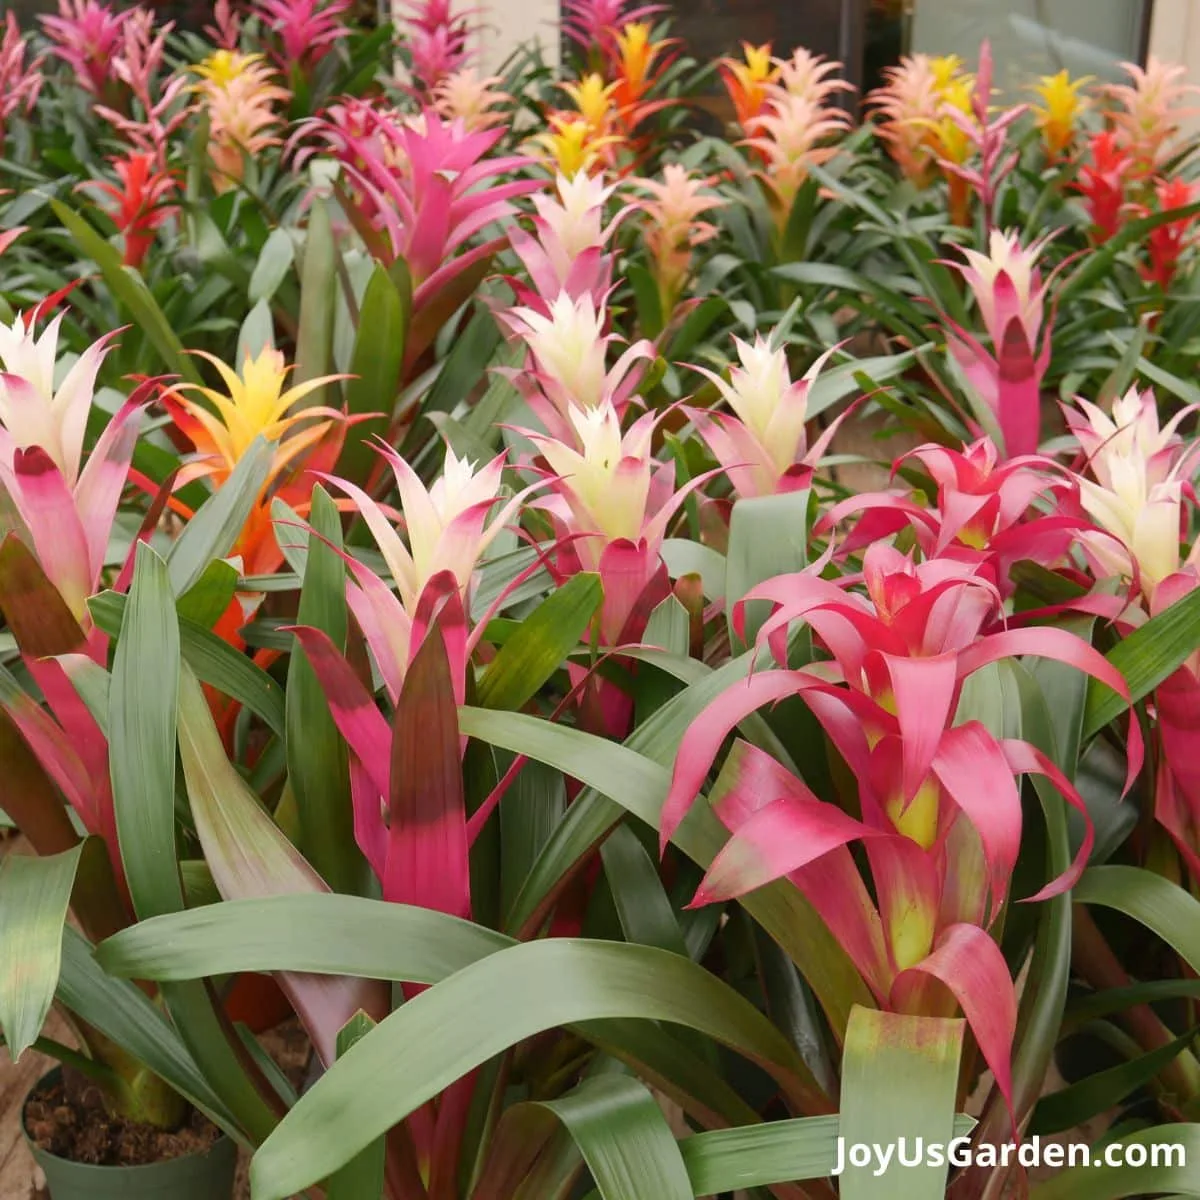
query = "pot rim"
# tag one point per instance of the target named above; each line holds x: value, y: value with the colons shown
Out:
x: 37, y: 1151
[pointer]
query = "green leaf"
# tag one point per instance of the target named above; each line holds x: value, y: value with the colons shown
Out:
x: 1145, y: 658
x: 1114, y: 1000
x: 215, y: 661
x: 899, y: 1079
x: 207, y: 599
x: 318, y: 766
x: 375, y: 365
x: 428, y: 321
x: 531, y: 1156
x: 1183, y: 389
x: 267, y: 1065
x: 684, y: 557
x: 1160, y: 905
x: 462, y: 369
x: 274, y: 262
x: 695, y: 325
x: 143, y: 707
x: 670, y: 1060
x: 492, y: 1005
x: 318, y: 297
x: 250, y: 855
x: 1126, y: 369
x: 647, y: 302
x: 256, y: 334
x: 1094, y: 266
x: 362, y: 1178
x: 217, y: 523
x: 1050, y: 697
x: 643, y: 908
x: 768, y: 536
x: 842, y: 279
x: 669, y: 627
x: 1096, y: 1180
x: 35, y: 893
x: 125, y: 1015
x: 541, y: 643
x: 301, y: 932
x: 128, y: 287
x: 835, y: 383
x: 308, y: 933
x: 624, y: 1138
x: 726, y: 1160
x: 789, y: 1002
x: 143, y: 700
x: 531, y: 809
x: 1072, y: 1106
x: 633, y: 778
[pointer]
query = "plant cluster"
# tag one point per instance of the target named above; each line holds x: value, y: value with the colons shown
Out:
x: 429, y: 574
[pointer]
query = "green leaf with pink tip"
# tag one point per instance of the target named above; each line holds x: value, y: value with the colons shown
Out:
x: 899, y: 1080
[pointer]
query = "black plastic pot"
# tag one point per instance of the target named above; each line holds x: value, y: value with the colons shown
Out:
x: 207, y: 1176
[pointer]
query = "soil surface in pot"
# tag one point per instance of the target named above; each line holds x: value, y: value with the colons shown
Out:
x: 71, y: 1122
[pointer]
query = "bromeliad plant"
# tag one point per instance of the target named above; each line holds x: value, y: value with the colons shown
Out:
x: 392, y: 762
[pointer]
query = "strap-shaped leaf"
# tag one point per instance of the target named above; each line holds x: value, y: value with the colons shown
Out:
x: 207, y: 599
x: 540, y: 644
x: 768, y: 536
x: 318, y: 299
x: 375, y: 365
x: 143, y: 703
x: 625, y: 1140
x: 492, y: 1005
x: 362, y: 1178
x: 307, y: 933
x: 899, y: 1078
x: 620, y: 1131
x: 129, y: 289
x: 143, y: 717
x: 1167, y: 1153
x: 213, y: 530
x: 35, y: 893
x: 249, y: 855
x: 1162, y: 906
x: 778, y: 1152
x: 124, y: 1014
x: 459, y: 373
x: 215, y: 661
x: 1145, y: 658
x: 1072, y: 1106
x: 634, y: 778
x: 318, y: 767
